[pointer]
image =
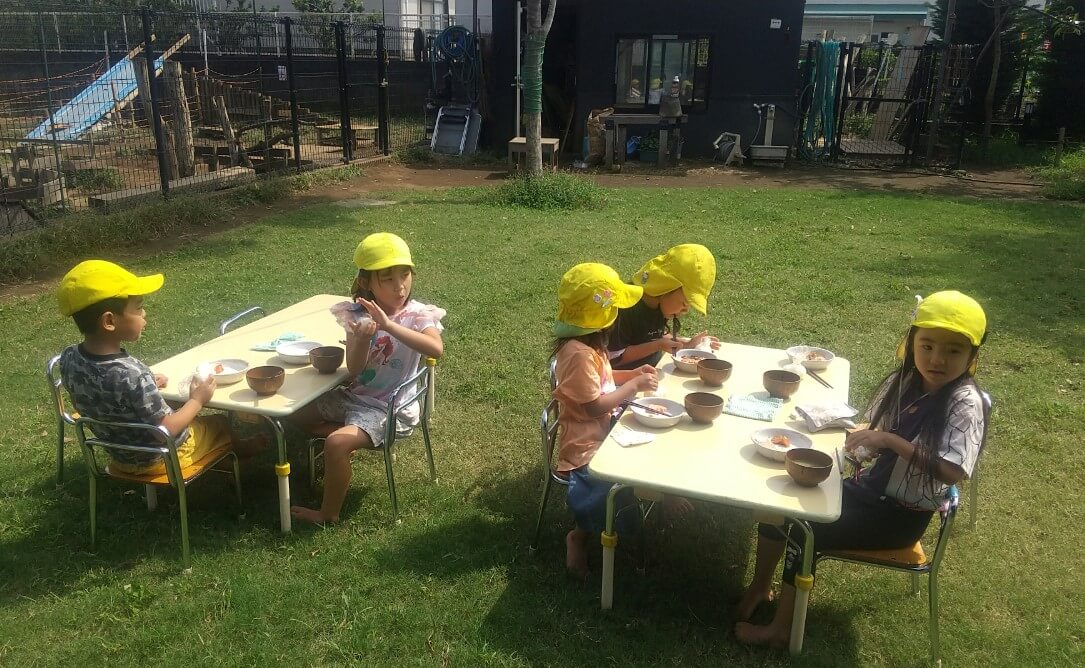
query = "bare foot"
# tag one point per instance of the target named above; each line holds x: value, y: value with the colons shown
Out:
x: 751, y: 598
x: 576, y: 553
x: 311, y: 515
x: 676, y: 507
x: 768, y: 636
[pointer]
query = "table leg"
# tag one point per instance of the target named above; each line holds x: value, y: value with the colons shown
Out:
x: 664, y: 156
x: 804, y: 582
x: 621, y: 140
x: 282, y: 471
x: 609, y: 539
x: 609, y: 159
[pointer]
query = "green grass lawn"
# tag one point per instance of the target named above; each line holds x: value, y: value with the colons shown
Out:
x: 454, y: 583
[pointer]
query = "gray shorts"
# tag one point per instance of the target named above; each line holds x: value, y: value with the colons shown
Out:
x: 342, y: 406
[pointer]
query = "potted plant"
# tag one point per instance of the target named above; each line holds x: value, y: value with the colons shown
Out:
x: 649, y: 148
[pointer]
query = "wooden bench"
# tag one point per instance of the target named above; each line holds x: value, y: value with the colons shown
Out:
x: 220, y: 177
x: 332, y: 133
x: 518, y: 147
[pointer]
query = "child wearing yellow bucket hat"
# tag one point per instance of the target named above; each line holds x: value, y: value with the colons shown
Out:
x: 387, y: 333
x: 589, y: 392
x: 673, y: 283
x: 927, y: 424
x: 106, y: 303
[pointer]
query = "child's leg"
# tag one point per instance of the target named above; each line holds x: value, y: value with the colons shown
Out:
x: 770, y: 549
x: 778, y: 632
x: 576, y: 552
x: 338, y: 449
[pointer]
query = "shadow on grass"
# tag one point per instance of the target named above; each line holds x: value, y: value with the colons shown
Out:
x: 681, y: 603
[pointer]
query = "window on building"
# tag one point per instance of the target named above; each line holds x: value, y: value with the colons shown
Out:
x: 646, y: 66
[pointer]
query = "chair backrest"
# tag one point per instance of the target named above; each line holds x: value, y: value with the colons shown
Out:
x: 947, y: 516
x: 224, y: 326
x: 165, y: 445
x: 548, y: 433
x: 56, y: 388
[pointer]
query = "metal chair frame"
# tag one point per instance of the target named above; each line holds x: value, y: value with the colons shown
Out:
x: 930, y: 568
x: 174, y: 472
x: 420, y: 388
x: 63, y: 417
x: 224, y: 326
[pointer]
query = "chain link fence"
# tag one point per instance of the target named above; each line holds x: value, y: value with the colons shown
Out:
x: 102, y: 110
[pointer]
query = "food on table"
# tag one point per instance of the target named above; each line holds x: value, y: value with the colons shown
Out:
x: 219, y: 368
x: 815, y: 356
x: 693, y: 359
x: 658, y: 407
x: 781, y: 440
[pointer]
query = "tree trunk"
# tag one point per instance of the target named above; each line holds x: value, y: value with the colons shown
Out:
x: 992, y: 85
x: 182, y: 122
x: 538, y: 27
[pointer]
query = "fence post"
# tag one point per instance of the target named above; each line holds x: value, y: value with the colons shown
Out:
x: 156, y: 111
x: 841, y: 98
x: 287, y: 23
x: 801, y: 105
x: 345, y: 131
x: 382, y: 93
x: 52, y: 121
x: 1059, y: 146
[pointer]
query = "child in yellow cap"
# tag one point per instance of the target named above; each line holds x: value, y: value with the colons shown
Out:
x: 106, y: 383
x: 673, y: 283
x: 383, y: 351
x: 589, y: 393
x: 927, y: 425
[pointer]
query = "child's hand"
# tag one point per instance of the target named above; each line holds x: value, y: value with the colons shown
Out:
x: 669, y: 345
x: 161, y: 381
x: 375, y: 312
x: 202, y: 390
x: 865, y: 442
x: 647, y: 381
x: 701, y: 337
x: 364, y: 329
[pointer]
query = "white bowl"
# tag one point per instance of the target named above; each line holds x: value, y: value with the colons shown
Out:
x: 683, y: 364
x: 296, y: 352
x: 649, y: 419
x: 801, y: 354
x: 762, y: 438
x: 233, y: 370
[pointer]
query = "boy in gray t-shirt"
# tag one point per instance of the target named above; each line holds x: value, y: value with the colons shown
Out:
x: 106, y: 383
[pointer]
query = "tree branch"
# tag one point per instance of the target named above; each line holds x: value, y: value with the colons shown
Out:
x: 549, y: 20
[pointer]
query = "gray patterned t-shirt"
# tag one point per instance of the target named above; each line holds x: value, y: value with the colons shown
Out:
x: 115, y: 388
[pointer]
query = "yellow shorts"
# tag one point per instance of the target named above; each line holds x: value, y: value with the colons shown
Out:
x: 206, y: 433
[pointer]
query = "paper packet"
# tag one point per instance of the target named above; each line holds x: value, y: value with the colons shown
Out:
x: 827, y: 415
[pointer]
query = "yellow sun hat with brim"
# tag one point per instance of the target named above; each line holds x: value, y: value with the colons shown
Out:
x: 382, y: 250
x: 688, y: 266
x: 92, y: 281
x: 953, y: 311
x: 589, y: 298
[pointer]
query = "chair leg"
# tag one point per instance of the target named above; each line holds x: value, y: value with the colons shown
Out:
x: 932, y: 599
x: 542, y: 510
x: 429, y: 450
x: 92, y: 502
x: 972, y: 493
x: 151, y: 493
x: 237, y: 485
x: 391, y: 481
x: 60, y: 451
x: 915, y: 584
x: 182, y: 504
x: 312, y: 462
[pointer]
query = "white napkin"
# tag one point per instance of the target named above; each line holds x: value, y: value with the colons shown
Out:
x: 627, y: 437
x: 203, y: 372
x: 826, y: 414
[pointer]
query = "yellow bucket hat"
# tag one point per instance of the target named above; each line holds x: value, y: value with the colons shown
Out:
x: 687, y: 266
x: 92, y: 281
x: 589, y: 297
x: 954, y: 311
x: 382, y: 250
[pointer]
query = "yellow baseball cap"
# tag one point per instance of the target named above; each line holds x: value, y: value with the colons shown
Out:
x: 92, y: 281
x: 687, y: 266
x: 589, y: 297
x: 382, y: 250
x: 954, y: 311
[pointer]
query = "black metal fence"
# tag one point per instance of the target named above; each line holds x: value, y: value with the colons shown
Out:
x: 85, y: 122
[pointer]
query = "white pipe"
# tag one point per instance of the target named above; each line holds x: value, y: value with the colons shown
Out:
x: 284, y: 503
x: 608, y: 578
